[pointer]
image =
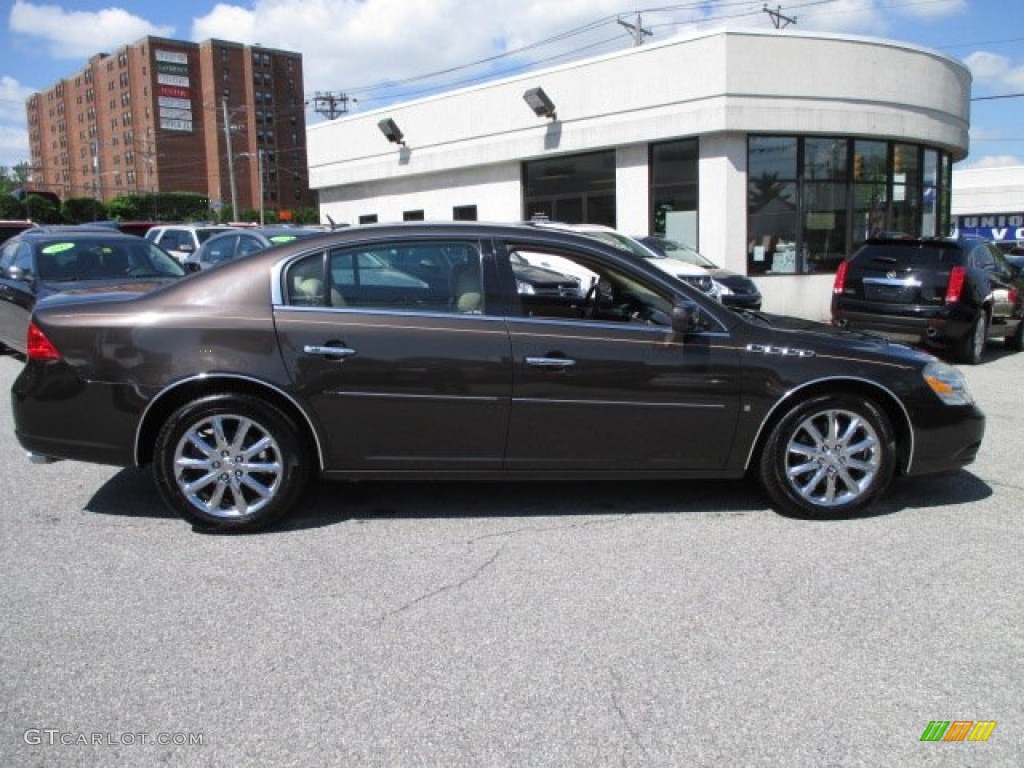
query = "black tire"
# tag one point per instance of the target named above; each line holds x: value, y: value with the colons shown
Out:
x: 830, y: 456
x: 971, y: 347
x: 231, y: 462
x: 1015, y: 341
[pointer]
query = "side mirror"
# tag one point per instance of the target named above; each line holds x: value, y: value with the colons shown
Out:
x: 685, y: 317
x: 19, y: 274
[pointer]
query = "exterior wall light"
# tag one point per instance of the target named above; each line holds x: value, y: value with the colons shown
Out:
x: 539, y: 102
x: 391, y: 131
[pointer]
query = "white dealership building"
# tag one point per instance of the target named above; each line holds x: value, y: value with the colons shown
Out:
x: 775, y: 153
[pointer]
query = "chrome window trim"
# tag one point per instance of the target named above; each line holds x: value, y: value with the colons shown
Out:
x: 432, y: 314
x: 788, y: 396
x: 212, y: 377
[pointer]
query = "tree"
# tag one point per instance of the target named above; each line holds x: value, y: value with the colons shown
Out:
x: 41, y: 209
x: 78, y: 210
x: 11, y: 208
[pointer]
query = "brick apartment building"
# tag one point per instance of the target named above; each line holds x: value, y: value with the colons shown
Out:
x: 150, y: 118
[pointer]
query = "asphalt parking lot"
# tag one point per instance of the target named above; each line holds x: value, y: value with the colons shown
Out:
x: 499, y: 625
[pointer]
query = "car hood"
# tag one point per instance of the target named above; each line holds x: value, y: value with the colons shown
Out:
x: 540, y: 275
x: 678, y: 267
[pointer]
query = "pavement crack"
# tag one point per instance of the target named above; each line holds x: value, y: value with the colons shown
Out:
x: 546, y: 528
x: 634, y: 735
x: 444, y: 588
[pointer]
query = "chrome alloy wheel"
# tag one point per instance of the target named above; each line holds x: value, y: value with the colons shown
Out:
x: 228, y: 466
x: 833, y: 457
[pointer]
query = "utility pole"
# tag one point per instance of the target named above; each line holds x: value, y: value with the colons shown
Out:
x: 330, y: 105
x: 231, y: 161
x: 259, y: 169
x: 780, y: 21
x: 636, y: 30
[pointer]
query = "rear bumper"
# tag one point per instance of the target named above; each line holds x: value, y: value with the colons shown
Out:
x: 936, y: 329
x: 57, y: 415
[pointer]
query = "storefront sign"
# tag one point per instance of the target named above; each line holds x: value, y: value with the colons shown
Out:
x: 999, y: 227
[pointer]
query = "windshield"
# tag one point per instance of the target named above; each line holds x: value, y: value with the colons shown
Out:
x: 74, y: 259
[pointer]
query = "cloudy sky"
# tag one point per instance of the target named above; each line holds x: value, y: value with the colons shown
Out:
x: 379, y: 51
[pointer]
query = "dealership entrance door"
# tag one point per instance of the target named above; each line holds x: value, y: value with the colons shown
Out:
x: 574, y: 189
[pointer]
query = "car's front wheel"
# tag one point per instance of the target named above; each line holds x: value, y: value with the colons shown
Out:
x: 830, y: 456
x: 230, y: 461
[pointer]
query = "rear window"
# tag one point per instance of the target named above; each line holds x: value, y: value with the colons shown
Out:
x: 922, y: 255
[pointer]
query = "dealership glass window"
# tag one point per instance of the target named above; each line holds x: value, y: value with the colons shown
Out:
x: 813, y: 200
x: 929, y: 200
x: 674, y: 190
x: 906, y: 189
x: 573, y: 189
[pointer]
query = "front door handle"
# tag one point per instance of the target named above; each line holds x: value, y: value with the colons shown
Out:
x: 557, y: 363
x: 326, y: 351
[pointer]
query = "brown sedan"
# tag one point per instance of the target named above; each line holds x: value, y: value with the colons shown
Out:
x: 407, y: 351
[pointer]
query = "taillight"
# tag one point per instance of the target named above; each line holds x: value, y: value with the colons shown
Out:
x: 39, y: 347
x: 956, y: 284
x: 840, y: 281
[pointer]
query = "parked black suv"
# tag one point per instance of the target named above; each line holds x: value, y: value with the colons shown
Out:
x: 951, y: 295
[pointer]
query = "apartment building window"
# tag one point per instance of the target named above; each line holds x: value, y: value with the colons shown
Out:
x: 368, y: 218
x: 464, y: 213
x: 412, y: 215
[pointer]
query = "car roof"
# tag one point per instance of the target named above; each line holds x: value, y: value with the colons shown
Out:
x: 76, y: 232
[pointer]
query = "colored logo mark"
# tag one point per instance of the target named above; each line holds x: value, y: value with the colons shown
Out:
x: 958, y: 730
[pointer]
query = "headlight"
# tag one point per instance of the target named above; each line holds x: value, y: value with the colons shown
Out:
x: 948, y: 383
x: 526, y: 288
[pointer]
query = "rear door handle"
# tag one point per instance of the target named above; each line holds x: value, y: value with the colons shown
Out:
x: 313, y: 349
x: 550, y: 362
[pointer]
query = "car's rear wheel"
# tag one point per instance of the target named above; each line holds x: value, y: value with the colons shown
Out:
x: 972, y: 346
x: 830, y: 456
x: 230, y: 461
x: 1015, y: 341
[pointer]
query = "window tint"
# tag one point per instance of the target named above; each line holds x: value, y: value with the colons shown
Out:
x: 93, y: 259
x: 564, y: 285
x: 409, y: 277
x: 248, y: 244
x: 929, y: 256
x: 221, y: 249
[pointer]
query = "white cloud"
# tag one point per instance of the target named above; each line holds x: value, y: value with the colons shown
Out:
x: 871, y: 17
x: 350, y: 43
x: 13, y: 134
x: 80, y: 34
x: 994, y: 69
x: 13, y: 146
x: 990, y: 161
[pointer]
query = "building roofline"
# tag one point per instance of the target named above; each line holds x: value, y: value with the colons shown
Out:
x: 686, y: 36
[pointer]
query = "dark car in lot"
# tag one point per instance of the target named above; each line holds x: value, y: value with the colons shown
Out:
x: 950, y: 295
x: 236, y: 243
x: 43, y: 261
x: 241, y: 382
x: 736, y: 290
